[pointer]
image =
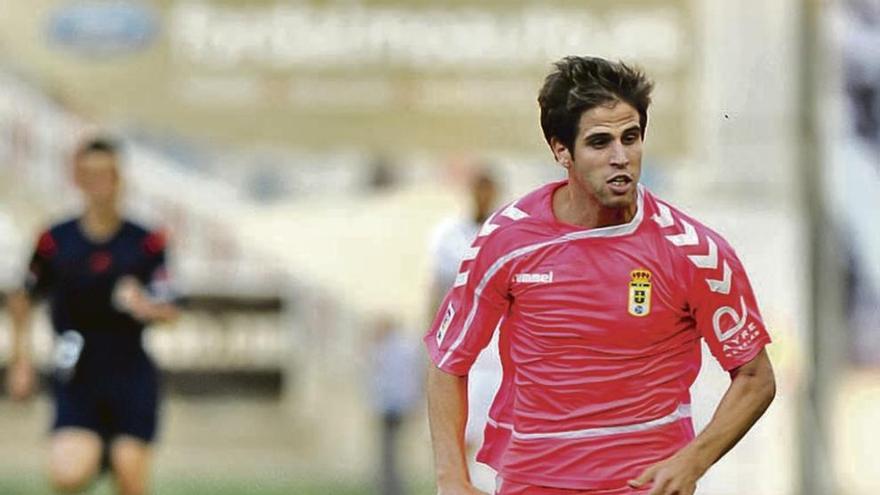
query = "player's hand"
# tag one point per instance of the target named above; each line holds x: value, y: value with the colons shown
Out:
x: 459, y: 489
x: 130, y: 297
x: 677, y: 475
x: 20, y: 379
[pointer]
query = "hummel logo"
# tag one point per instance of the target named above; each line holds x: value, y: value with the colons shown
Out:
x: 533, y: 278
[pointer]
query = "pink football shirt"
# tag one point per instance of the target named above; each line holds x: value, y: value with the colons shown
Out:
x: 600, y: 337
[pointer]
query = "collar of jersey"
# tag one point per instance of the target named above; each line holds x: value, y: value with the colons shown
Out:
x: 611, y: 230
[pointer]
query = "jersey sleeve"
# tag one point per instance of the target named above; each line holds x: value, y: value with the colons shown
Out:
x: 156, y: 277
x: 41, y: 271
x: 470, y: 313
x: 726, y: 311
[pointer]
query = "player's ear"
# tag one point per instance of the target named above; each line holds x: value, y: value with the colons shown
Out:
x: 561, y: 153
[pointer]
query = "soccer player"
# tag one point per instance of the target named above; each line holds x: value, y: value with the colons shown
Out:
x: 450, y: 243
x: 105, y: 279
x: 604, y: 293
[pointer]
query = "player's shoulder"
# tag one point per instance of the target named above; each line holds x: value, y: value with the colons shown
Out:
x: 56, y: 233
x: 684, y: 232
x: 59, y: 231
x: 153, y: 239
x: 520, y: 222
x: 136, y: 228
x: 62, y: 226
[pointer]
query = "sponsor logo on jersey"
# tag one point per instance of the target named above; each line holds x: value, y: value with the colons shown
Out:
x: 533, y: 278
x: 640, y: 292
x: 444, y: 325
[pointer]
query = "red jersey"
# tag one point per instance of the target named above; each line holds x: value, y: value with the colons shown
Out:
x: 600, y: 337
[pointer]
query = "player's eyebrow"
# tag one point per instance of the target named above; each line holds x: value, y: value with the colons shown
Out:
x: 634, y: 127
x: 603, y: 134
x: 598, y: 136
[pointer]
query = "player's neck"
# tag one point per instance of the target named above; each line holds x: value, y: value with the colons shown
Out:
x: 99, y: 224
x: 572, y: 206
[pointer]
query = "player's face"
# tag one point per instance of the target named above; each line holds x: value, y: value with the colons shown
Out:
x: 97, y: 176
x: 606, y: 162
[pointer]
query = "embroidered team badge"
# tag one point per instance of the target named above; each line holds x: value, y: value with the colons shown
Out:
x: 640, y: 292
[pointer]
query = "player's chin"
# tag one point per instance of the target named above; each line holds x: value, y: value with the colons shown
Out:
x: 619, y: 201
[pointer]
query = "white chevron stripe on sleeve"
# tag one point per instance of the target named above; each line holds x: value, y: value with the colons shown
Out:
x: 514, y: 213
x: 721, y: 286
x: 687, y: 238
x: 487, y: 229
x: 461, y: 279
x: 664, y: 218
x: 709, y: 260
x: 470, y: 253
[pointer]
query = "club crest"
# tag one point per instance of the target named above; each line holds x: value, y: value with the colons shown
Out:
x: 640, y: 292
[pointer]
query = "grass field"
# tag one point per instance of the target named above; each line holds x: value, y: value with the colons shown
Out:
x: 243, y: 447
x: 36, y: 486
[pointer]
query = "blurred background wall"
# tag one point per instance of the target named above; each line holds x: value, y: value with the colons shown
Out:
x: 302, y: 152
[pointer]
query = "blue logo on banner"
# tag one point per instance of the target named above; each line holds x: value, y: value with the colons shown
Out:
x: 101, y: 29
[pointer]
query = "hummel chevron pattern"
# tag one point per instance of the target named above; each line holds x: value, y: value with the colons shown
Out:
x: 721, y: 286
x: 709, y: 260
x: 488, y: 228
x: 689, y: 237
x: 511, y: 212
x: 664, y: 219
x: 514, y: 213
x: 470, y: 254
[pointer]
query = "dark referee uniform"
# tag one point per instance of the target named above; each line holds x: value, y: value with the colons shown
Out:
x: 103, y: 379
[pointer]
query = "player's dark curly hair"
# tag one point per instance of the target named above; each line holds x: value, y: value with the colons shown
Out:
x: 579, y: 84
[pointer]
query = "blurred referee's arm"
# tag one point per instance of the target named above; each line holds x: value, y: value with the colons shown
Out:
x: 150, y: 296
x: 147, y: 305
x: 20, y: 376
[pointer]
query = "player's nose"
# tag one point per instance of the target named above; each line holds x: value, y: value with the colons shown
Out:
x: 618, y: 155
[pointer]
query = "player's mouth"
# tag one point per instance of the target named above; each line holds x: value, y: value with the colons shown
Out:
x: 620, y: 183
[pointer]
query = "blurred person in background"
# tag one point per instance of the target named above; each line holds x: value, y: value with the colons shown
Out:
x: 861, y: 57
x: 604, y: 293
x: 861, y: 52
x: 396, y: 392
x: 105, y: 279
x: 449, y: 244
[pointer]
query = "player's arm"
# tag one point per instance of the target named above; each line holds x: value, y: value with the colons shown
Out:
x: 726, y: 313
x: 447, y: 413
x: 751, y: 391
x: 20, y: 378
x: 465, y: 322
x: 150, y: 297
x: 138, y: 301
